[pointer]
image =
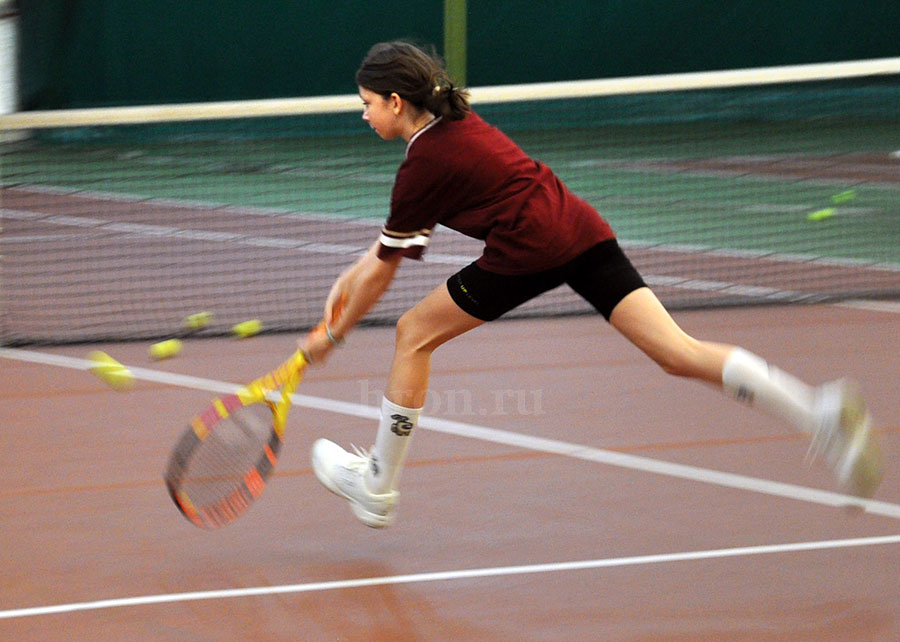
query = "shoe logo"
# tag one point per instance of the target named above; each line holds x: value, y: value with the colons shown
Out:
x: 744, y: 394
x: 373, y: 466
x: 402, y: 426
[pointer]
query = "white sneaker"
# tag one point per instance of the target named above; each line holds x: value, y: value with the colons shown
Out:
x: 845, y: 437
x: 344, y: 474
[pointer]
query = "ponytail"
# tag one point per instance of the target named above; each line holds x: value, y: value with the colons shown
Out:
x: 416, y: 76
x: 447, y: 100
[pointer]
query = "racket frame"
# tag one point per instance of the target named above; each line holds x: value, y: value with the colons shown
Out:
x: 283, y: 379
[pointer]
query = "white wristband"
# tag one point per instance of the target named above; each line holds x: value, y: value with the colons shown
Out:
x: 334, y: 340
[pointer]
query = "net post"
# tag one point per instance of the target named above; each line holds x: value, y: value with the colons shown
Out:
x: 8, y: 103
x: 455, y: 39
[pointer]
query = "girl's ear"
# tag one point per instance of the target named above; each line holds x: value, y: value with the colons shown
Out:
x: 396, y: 103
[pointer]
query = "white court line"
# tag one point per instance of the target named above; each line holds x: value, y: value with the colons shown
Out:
x: 446, y: 576
x: 497, y: 436
x: 890, y: 307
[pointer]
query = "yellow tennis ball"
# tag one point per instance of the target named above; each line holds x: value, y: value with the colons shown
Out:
x: 110, y: 371
x: 198, y: 320
x: 247, y: 328
x: 844, y: 197
x: 821, y: 215
x: 165, y: 349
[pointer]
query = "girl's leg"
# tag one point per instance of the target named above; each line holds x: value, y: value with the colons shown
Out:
x: 432, y: 322
x: 643, y: 320
x: 429, y: 324
x: 368, y: 480
x: 834, y: 413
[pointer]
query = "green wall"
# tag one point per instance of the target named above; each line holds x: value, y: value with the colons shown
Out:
x: 114, y: 52
x: 79, y: 53
x: 537, y: 41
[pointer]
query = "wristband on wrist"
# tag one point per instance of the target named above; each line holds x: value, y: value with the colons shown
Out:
x: 334, y: 340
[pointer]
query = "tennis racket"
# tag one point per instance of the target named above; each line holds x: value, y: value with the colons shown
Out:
x: 223, y: 460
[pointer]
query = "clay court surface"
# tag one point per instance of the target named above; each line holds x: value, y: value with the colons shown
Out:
x: 560, y: 488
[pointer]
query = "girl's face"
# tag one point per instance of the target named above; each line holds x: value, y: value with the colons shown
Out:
x: 382, y: 114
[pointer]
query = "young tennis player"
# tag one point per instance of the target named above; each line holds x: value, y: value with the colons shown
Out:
x: 463, y: 173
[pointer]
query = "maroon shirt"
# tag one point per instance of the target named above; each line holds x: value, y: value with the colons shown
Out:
x: 469, y: 176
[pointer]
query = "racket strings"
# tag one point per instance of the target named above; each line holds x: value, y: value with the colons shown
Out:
x: 224, y: 458
x: 220, y: 464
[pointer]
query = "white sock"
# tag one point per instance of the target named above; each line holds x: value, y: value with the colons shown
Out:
x: 750, y: 379
x: 391, y: 443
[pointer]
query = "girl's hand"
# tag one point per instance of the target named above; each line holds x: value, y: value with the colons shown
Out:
x: 316, y: 346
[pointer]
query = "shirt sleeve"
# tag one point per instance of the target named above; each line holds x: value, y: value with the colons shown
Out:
x: 408, y: 244
x: 417, y: 204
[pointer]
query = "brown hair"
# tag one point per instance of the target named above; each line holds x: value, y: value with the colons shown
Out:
x: 415, y: 75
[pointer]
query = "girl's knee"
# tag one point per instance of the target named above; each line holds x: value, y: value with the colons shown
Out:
x: 695, y: 359
x: 680, y: 358
x: 432, y: 322
x: 412, y: 333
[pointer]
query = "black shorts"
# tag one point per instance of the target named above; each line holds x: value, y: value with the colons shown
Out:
x: 602, y: 275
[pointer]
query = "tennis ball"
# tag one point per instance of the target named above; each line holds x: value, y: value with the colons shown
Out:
x: 821, y: 215
x: 165, y: 349
x: 247, y: 328
x: 843, y: 197
x: 110, y: 371
x: 198, y: 320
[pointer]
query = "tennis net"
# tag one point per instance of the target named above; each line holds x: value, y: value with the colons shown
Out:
x: 770, y: 185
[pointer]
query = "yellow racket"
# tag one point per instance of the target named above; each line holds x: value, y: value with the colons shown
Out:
x: 223, y: 460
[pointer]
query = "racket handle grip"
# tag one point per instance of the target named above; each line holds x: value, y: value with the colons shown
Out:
x: 300, y: 359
